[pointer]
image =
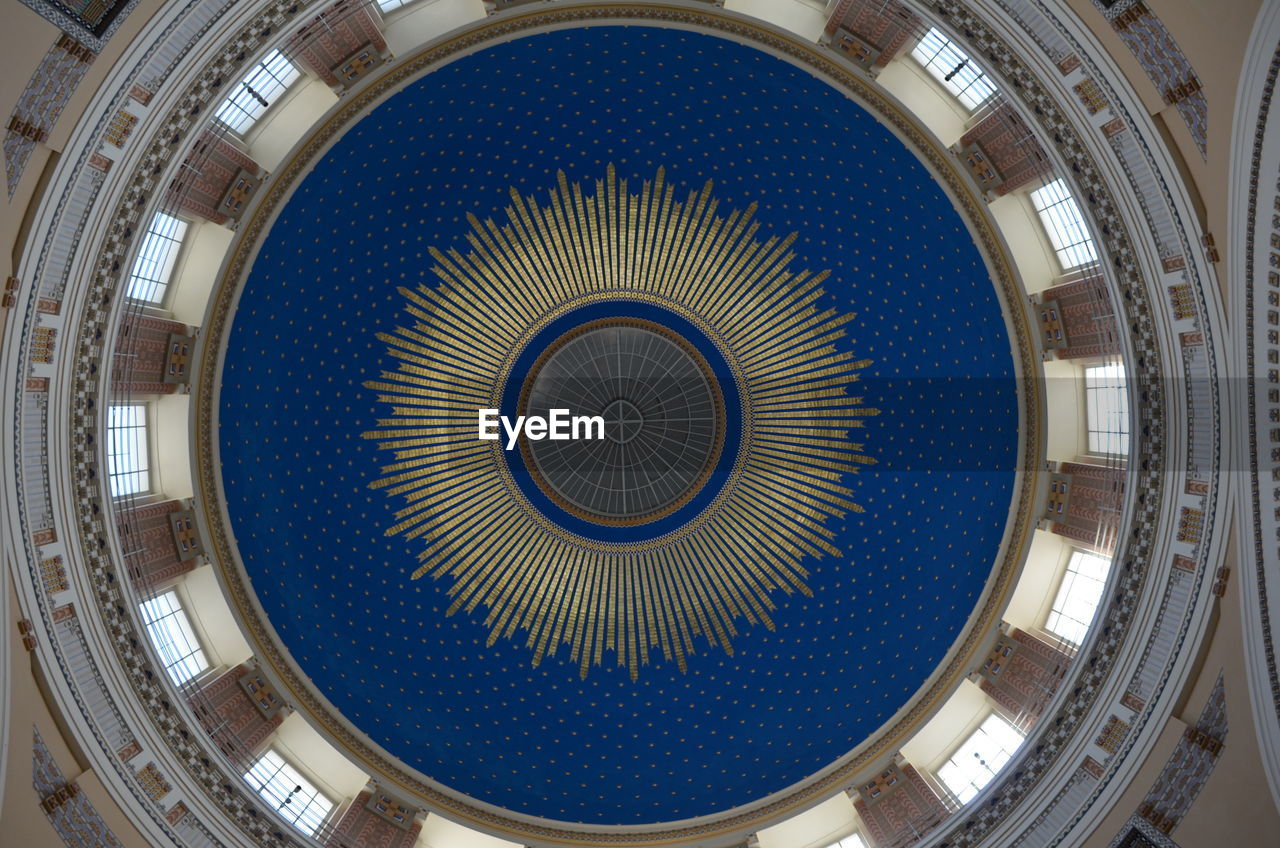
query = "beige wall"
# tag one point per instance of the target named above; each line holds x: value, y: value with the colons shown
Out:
x: 923, y: 97
x: 24, y: 823
x: 415, y: 25
x: 816, y: 827
x: 27, y: 38
x: 933, y: 744
x: 1038, y: 583
x: 1235, y: 808
x: 209, y: 612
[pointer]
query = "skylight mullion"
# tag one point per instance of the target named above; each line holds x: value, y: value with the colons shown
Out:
x: 1063, y: 222
x: 987, y: 750
x: 247, y: 105
x: 278, y: 69
x: 127, y: 458
x: 232, y: 113
x: 1058, y: 231
x: 1071, y: 228
x: 269, y: 78
x: 1107, y: 409
x: 275, y: 781
x: 1078, y: 596
x: 174, y: 639
x: 157, y: 258
x: 936, y: 44
x: 149, y: 258
x: 941, y: 58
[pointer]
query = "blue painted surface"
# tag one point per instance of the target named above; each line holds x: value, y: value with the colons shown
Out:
x: 479, y: 719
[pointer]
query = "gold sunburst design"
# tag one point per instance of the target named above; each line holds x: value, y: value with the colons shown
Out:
x: 532, y: 576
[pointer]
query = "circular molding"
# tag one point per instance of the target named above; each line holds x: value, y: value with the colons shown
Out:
x: 749, y: 817
x: 644, y: 381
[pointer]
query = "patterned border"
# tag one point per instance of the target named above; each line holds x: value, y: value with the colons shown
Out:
x: 1138, y: 827
x: 40, y: 105
x: 70, y: 812
x: 240, y: 593
x: 1255, y: 488
x: 57, y: 15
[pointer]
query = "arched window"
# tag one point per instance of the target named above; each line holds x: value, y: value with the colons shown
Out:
x: 954, y: 69
x: 128, y: 456
x: 170, y: 631
x: 254, y: 94
x: 980, y: 757
x: 288, y: 792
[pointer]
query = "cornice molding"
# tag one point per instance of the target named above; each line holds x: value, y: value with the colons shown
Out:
x: 1255, y: 179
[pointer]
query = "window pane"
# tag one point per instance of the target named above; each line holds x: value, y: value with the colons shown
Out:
x: 981, y: 756
x: 170, y: 631
x: 127, y: 450
x: 257, y: 91
x: 1106, y: 400
x: 853, y: 840
x: 156, y: 257
x: 1078, y: 596
x: 392, y: 5
x: 954, y: 69
x: 288, y: 792
x: 1060, y: 215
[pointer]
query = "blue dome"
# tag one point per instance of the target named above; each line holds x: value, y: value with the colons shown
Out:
x: 875, y: 609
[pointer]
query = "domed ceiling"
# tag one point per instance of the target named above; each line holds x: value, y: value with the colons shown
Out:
x: 808, y: 464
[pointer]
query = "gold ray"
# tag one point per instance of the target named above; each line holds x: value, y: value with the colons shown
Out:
x: 454, y: 353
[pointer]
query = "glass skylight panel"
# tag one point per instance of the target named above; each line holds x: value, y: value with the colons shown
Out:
x: 981, y: 756
x: 392, y: 5
x: 1106, y: 400
x: 170, y: 631
x: 254, y: 94
x: 1060, y: 215
x: 1078, y: 596
x: 156, y: 258
x: 955, y: 70
x: 288, y: 792
x: 853, y: 840
x: 127, y: 452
